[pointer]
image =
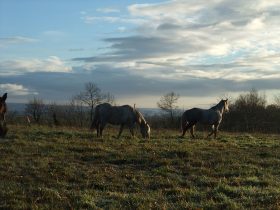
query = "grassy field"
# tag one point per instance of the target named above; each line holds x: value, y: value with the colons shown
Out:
x: 48, y: 168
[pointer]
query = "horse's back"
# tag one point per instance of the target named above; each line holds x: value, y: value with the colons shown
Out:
x: 102, y: 112
x: 204, y: 116
x: 193, y: 115
x: 115, y: 114
x: 123, y: 114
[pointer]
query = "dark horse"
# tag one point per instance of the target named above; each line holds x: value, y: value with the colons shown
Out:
x: 212, y: 116
x: 3, y: 110
x: 119, y: 115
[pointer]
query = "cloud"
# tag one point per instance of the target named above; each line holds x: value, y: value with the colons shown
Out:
x: 89, y: 19
x: 128, y: 86
x: 139, y: 47
x: 231, y: 40
x: 51, y: 86
x: 16, y: 89
x: 4, y: 41
x: 108, y: 10
x: 122, y: 29
x: 193, y: 47
x: 76, y: 49
x: 124, y: 82
x: 21, y: 66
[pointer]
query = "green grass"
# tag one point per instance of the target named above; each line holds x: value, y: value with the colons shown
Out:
x: 63, y: 168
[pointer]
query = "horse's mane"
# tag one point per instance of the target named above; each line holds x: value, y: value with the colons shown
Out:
x: 140, y: 117
x: 217, y: 106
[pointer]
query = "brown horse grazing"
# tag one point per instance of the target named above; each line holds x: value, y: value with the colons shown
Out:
x: 212, y: 116
x: 119, y: 115
x: 3, y: 110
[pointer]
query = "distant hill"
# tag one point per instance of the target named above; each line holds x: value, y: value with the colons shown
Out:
x: 149, y: 111
x: 18, y: 107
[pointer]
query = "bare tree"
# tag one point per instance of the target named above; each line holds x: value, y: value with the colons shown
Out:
x: 250, y: 108
x: 92, y: 96
x: 53, y: 110
x: 167, y: 103
x: 35, y: 108
x: 277, y: 100
x: 109, y: 98
x: 251, y: 100
x: 77, y: 111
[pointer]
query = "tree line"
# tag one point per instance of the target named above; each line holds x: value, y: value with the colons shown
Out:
x: 79, y: 111
x: 249, y: 112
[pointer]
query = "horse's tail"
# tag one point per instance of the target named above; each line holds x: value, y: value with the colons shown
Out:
x: 96, y: 118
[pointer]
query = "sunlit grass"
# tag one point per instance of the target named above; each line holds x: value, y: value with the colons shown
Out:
x: 64, y: 168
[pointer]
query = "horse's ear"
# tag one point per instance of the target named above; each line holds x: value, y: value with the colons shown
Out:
x: 4, y: 97
x: 134, y: 106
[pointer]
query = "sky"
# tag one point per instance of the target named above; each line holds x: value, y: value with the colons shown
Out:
x: 139, y: 50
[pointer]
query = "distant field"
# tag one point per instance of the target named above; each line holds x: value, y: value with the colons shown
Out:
x: 63, y: 168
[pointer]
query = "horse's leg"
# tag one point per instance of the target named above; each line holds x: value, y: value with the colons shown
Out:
x: 184, y: 130
x: 101, y: 127
x: 101, y: 131
x: 120, y: 131
x: 131, y: 131
x: 97, y: 129
x: 216, y: 130
x: 189, y: 125
x: 185, y: 127
x: 211, y: 133
x: 192, y: 131
x: 184, y: 124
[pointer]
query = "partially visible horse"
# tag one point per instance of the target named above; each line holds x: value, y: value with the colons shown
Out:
x: 212, y: 116
x: 3, y: 110
x: 119, y: 115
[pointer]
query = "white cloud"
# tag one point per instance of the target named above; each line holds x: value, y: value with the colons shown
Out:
x: 4, y: 41
x: 197, y: 32
x: 108, y: 10
x: 168, y: 9
x: 121, y: 29
x: 16, y: 89
x: 210, y: 23
x: 199, y: 47
x: 111, y: 19
x: 256, y: 24
x: 21, y: 66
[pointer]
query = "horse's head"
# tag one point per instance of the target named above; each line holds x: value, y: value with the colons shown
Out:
x: 145, y: 130
x: 3, y: 110
x: 225, y: 103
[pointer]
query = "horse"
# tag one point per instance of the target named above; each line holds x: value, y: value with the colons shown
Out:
x: 119, y: 115
x: 212, y: 116
x: 3, y: 110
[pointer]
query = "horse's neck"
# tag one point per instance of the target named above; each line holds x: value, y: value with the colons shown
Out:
x: 219, y: 108
x: 140, y: 119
